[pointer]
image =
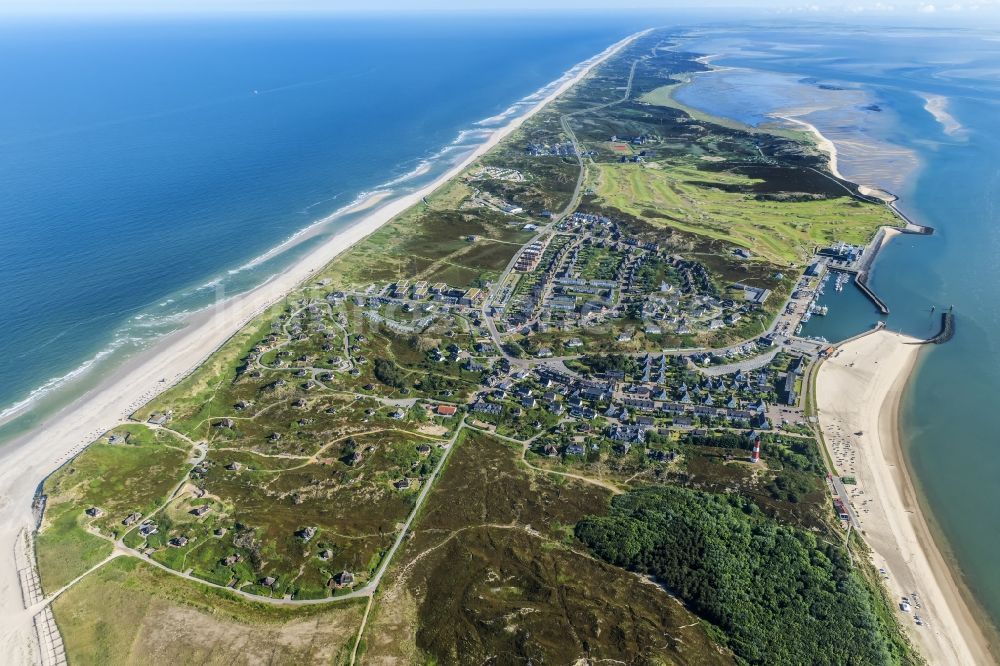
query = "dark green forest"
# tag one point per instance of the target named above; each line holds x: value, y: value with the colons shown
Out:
x: 779, y: 594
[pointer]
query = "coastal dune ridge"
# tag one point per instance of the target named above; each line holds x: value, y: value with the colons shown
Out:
x: 28, y: 459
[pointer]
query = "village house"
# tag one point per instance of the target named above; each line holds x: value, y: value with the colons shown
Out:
x: 131, y: 518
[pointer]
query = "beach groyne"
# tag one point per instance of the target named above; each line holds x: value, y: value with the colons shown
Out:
x: 946, y: 333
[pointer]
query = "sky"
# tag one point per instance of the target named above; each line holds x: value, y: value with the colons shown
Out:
x: 929, y: 9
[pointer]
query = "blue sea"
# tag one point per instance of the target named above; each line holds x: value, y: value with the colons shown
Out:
x: 149, y: 168
x: 869, y: 89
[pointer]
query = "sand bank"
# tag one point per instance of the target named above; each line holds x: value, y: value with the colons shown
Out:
x: 25, y: 462
x: 858, y: 391
x: 937, y: 106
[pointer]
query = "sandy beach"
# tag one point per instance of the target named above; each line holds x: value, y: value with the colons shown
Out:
x: 858, y: 392
x: 823, y: 143
x: 25, y: 462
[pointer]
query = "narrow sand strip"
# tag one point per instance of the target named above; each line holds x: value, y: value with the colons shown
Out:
x: 937, y: 106
x: 25, y: 462
x: 858, y: 391
x: 823, y: 143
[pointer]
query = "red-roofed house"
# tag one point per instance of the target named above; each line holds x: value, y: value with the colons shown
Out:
x: 446, y: 410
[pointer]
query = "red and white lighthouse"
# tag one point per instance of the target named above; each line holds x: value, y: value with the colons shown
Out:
x: 755, y: 453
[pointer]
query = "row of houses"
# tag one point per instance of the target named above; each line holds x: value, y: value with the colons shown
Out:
x: 528, y: 260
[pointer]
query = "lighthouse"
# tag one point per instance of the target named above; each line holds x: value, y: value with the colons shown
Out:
x: 755, y: 453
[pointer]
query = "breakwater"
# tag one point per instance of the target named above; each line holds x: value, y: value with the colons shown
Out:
x: 911, y: 227
x: 861, y: 280
x: 947, y: 331
x: 861, y: 273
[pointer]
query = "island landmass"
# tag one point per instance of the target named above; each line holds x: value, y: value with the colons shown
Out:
x: 555, y: 407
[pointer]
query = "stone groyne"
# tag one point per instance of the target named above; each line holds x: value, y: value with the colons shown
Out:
x: 947, y: 331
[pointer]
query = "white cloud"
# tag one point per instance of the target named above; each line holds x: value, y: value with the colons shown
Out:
x: 927, y: 9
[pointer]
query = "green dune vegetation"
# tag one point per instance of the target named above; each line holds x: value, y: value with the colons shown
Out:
x: 134, y: 474
x: 129, y: 612
x: 382, y: 468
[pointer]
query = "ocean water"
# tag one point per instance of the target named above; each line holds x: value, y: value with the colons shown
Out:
x: 147, y: 169
x: 946, y: 172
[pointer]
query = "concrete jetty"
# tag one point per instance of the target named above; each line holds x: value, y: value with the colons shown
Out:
x: 861, y: 272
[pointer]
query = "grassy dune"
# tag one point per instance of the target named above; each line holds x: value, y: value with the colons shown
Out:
x: 130, y: 613
x: 119, y: 479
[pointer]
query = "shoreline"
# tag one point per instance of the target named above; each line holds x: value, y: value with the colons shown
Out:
x: 28, y: 459
x: 878, y: 366
x: 822, y: 143
x: 11, y: 413
x: 97, y: 363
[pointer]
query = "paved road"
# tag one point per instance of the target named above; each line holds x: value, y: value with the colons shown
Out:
x: 570, y: 208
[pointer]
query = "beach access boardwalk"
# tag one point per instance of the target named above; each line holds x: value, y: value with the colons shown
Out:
x: 48, y: 643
